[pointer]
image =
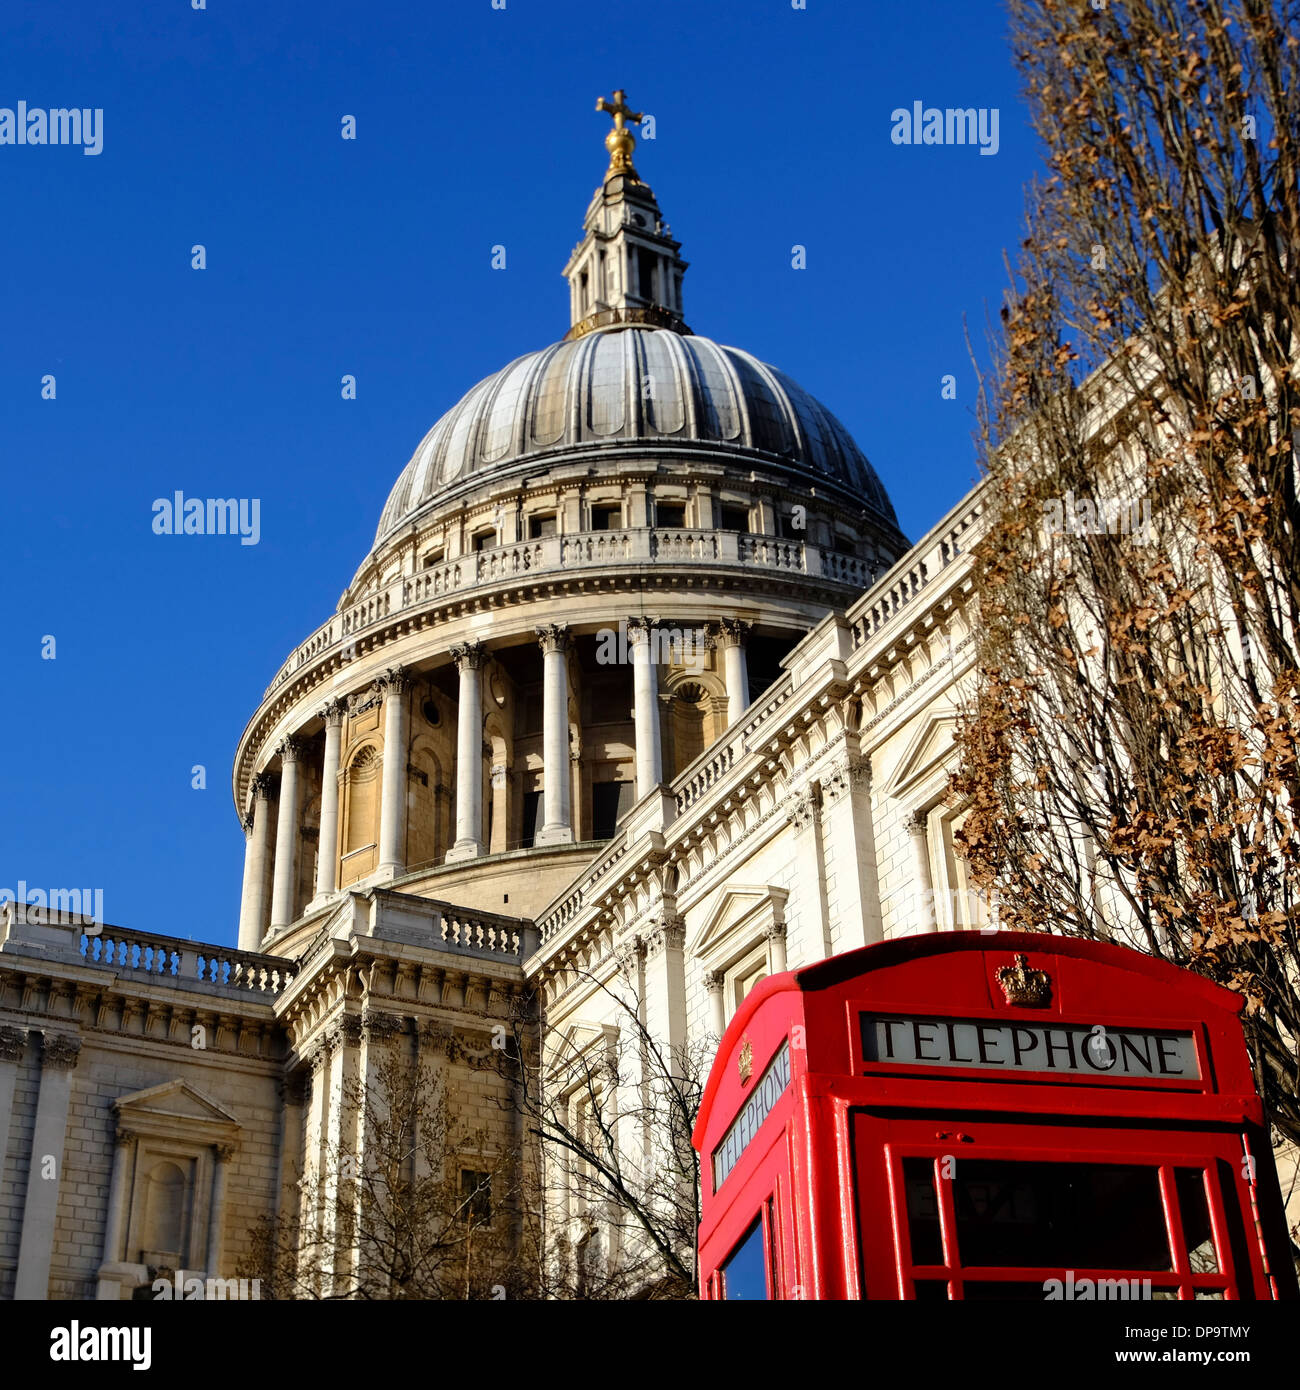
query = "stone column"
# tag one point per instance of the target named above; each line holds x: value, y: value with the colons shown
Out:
x: 734, y: 635
x: 557, y: 825
x: 469, y: 658
x: 775, y: 935
x: 119, y: 1196
x: 645, y: 686
x: 45, y: 1166
x: 925, y: 918
x: 713, y: 983
x: 286, y: 836
x: 217, y: 1212
x: 392, y: 804
x: 327, y: 858
x: 257, y: 849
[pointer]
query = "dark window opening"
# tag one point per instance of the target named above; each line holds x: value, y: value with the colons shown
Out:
x: 434, y: 557
x: 646, y: 274
x: 735, y: 518
x: 539, y: 526
x: 671, y: 515
x: 532, y: 818
x: 606, y: 518
x: 485, y: 540
x: 609, y: 801
x: 476, y: 1196
x: 789, y: 531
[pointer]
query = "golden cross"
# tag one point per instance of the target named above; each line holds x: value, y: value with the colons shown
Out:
x: 619, y: 109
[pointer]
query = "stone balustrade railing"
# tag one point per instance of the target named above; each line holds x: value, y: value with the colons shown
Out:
x: 457, y: 932
x: 551, y: 554
x: 900, y: 585
x: 168, y: 960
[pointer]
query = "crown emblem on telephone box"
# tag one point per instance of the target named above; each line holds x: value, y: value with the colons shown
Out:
x: 1021, y: 985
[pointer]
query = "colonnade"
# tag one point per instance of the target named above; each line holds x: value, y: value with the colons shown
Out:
x: 557, y: 798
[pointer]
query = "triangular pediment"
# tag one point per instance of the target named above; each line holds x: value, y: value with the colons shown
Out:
x: 929, y: 751
x: 174, y: 1100
x: 738, y: 910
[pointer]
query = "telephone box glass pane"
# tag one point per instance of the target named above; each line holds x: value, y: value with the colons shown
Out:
x: 923, y: 1213
x: 1013, y: 1214
x: 1197, y: 1231
x: 744, y: 1276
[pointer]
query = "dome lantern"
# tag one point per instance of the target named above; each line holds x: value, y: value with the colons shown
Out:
x: 626, y: 269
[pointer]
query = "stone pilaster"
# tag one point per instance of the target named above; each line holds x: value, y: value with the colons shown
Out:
x: 59, y: 1054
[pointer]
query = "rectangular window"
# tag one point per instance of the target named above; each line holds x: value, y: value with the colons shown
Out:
x: 608, y: 518
x: 433, y: 557
x: 539, y: 526
x: 646, y: 274
x: 485, y: 540
x: 744, y: 1275
x: 671, y: 515
x: 475, y: 1197
x: 735, y: 518
x: 532, y: 818
x: 609, y: 801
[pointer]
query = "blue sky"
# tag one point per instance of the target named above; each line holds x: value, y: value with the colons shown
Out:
x: 475, y: 127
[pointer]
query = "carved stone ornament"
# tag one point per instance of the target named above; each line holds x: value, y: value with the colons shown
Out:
x: 669, y: 931
x: 347, y: 1031
x: 290, y: 749
x: 732, y: 632
x: 714, y: 981
x: 554, y: 637
x: 395, y: 680
x: 60, y: 1050
x: 332, y: 712
x: 380, y: 1026
x: 469, y: 656
x: 804, y: 810
x: 263, y: 787
x: 13, y: 1042
x: 850, y: 775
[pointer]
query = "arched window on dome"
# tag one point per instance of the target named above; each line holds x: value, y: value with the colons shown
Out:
x: 361, y: 790
x: 696, y: 716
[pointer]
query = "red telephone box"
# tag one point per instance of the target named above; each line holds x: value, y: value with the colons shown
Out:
x: 988, y: 1116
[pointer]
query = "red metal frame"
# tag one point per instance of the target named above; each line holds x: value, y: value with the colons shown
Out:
x: 823, y: 1168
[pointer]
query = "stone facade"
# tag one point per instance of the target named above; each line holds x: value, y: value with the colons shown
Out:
x: 640, y: 675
